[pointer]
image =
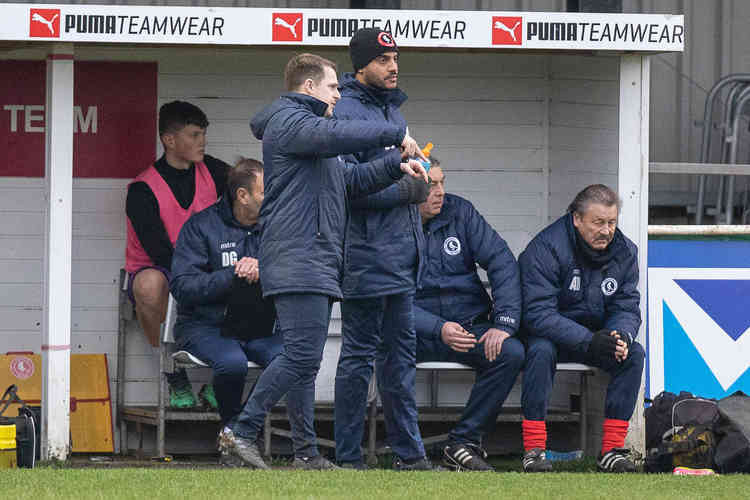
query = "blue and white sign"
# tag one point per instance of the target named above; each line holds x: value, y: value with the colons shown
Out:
x: 699, y: 317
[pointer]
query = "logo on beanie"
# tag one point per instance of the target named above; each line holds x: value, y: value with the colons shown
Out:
x: 287, y: 27
x: 386, y: 40
x: 452, y: 246
x: 609, y: 286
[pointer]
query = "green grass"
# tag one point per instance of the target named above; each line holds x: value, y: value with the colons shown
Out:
x: 205, y: 484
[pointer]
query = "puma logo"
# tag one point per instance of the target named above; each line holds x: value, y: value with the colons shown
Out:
x: 39, y: 18
x: 499, y: 25
x: 291, y: 27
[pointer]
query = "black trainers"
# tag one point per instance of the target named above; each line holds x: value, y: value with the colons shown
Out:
x: 616, y: 460
x: 318, y: 462
x: 466, y: 456
x: 419, y: 465
x: 535, y: 460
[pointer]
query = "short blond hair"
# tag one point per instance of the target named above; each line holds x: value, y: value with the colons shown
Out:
x: 304, y: 66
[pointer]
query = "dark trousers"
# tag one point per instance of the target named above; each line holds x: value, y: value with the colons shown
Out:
x: 541, y: 358
x: 382, y: 330
x: 302, y: 320
x: 228, y: 359
x: 494, y: 381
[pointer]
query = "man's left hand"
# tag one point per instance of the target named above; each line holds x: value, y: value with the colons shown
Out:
x: 493, y: 342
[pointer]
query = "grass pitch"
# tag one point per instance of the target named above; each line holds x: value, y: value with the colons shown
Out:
x: 204, y: 484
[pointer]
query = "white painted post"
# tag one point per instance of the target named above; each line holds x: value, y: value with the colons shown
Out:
x: 633, y: 190
x: 57, y: 253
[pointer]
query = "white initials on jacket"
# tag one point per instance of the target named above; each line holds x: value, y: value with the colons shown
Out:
x: 575, y: 284
x: 228, y: 258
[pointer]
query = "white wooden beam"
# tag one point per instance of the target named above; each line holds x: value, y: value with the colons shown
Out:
x: 57, y: 253
x: 633, y: 190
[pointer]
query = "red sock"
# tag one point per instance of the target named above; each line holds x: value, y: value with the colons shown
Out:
x: 614, y: 434
x: 534, y: 434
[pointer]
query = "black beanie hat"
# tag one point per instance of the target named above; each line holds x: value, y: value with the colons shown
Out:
x: 367, y: 44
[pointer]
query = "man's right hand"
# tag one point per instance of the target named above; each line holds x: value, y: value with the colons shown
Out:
x: 455, y: 337
x: 603, y: 347
x: 247, y: 269
x: 410, y: 149
x: 415, y: 169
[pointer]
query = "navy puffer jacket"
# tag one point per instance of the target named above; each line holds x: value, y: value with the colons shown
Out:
x: 304, y: 212
x: 566, y: 297
x: 209, y: 244
x: 458, y: 239
x: 383, y: 236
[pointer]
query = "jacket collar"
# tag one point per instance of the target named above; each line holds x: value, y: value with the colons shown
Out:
x: 227, y: 216
x: 365, y: 93
x: 316, y: 105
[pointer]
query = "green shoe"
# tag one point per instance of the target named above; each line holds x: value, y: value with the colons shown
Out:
x: 180, y: 391
x: 208, y: 397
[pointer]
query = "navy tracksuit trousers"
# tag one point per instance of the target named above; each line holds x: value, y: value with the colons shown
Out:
x: 380, y: 329
x: 494, y: 381
x: 302, y: 320
x: 228, y: 359
x: 542, y: 357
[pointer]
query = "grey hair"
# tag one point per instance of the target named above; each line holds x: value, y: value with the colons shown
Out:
x: 595, y: 193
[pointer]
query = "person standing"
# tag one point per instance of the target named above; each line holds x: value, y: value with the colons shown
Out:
x: 381, y: 271
x: 303, y: 218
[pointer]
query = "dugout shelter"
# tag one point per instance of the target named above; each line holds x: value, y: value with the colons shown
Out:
x: 525, y: 109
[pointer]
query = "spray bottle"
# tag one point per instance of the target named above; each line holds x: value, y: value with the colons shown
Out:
x: 426, y: 152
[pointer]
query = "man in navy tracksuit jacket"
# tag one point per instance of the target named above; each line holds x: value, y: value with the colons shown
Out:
x: 581, y: 304
x: 222, y: 316
x: 381, y: 263
x: 304, y: 216
x: 458, y: 322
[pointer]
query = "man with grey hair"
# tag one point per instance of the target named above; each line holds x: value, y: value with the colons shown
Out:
x: 581, y: 304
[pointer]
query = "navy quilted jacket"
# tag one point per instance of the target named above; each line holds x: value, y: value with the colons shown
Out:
x: 566, y: 297
x: 457, y: 240
x: 383, y: 236
x: 304, y: 212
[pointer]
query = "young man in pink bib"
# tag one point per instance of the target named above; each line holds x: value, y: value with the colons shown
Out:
x: 159, y: 201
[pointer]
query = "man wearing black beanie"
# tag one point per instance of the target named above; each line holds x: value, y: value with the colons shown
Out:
x: 381, y: 266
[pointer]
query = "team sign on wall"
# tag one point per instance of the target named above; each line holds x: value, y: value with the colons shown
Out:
x: 250, y: 26
x: 114, y: 124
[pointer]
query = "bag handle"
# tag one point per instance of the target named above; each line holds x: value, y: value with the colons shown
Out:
x: 11, y: 393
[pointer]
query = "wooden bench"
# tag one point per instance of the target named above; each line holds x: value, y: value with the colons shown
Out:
x: 161, y: 414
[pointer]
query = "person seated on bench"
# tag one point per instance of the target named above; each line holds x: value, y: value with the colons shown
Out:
x: 455, y: 319
x: 159, y: 201
x: 581, y: 304
x: 222, y: 317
